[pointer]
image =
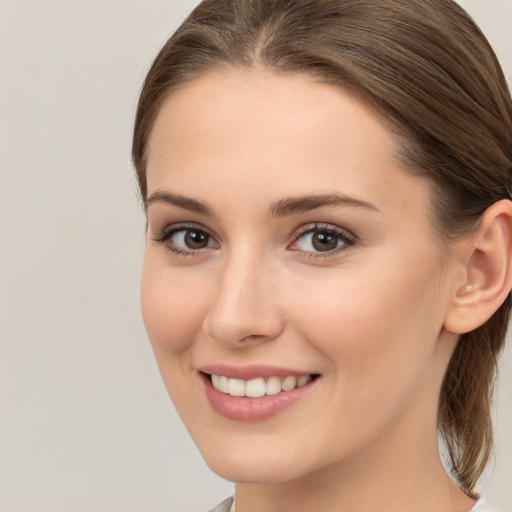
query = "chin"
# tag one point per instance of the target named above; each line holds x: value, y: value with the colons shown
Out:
x: 249, y: 472
x: 258, y: 462
x: 254, y: 465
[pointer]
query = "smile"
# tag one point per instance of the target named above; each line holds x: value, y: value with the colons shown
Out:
x: 258, y: 387
x: 256, y: 393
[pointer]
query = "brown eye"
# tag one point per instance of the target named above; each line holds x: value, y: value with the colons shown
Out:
x: 186, y: 240
x: 324, y: 241
x: 194, y: 239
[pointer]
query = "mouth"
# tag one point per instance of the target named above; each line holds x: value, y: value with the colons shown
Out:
x: 259, y: 386
x: 255, y: 398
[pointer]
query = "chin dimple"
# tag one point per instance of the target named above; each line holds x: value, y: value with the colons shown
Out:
x: 258, y: 387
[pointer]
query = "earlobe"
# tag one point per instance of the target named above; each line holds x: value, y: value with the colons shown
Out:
x: 488, y: 271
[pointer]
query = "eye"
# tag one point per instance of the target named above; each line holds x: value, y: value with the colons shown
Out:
x: 190, y: 239
x: 186, y: 239
x: 323, y: 239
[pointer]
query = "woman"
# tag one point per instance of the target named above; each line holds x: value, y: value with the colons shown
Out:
x: 327, y: 272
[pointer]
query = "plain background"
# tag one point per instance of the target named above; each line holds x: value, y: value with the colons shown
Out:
x: 85, y: 423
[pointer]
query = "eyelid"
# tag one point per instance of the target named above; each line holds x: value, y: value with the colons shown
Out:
x: 170, y: 229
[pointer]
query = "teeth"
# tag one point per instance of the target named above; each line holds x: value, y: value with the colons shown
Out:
x: 258, y: 387
x: 302, y: 381
x: 236, y: 387
x: 255, y: 388
x: 216, y: 382
x: 288, y: 383
x: 273, y: 386
x: 224, y: 384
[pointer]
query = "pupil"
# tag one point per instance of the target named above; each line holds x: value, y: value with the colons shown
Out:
x: 196, y: 239
x: 323, y: 241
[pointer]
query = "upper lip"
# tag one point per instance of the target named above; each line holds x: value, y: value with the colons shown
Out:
x: 250, y: 371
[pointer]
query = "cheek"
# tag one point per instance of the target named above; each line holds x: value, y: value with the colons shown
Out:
x: 378, y: 345
x: 380, y: 324
x: 172, y: 307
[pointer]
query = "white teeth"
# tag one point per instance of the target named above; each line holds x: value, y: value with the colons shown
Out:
x: 236, y: 387
x: 288, y: 383
x: 302, y: 381
x: 256, y: 388
x: 224, y: 384
x: 216, y: 381
x: 273, y: 386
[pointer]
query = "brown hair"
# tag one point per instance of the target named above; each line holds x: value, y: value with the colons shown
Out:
x: 427, y: 69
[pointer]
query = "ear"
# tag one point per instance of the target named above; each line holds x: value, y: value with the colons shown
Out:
x: 487, y: 271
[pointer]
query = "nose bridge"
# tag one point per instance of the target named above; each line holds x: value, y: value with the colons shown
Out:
x: 242, y: 308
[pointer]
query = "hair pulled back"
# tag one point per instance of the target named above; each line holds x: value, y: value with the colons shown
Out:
x: 428, y: 71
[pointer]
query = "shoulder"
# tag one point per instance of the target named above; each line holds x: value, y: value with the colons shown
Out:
x: 225, y: 506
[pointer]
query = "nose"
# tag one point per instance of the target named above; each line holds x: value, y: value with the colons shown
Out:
x: 244, y: 309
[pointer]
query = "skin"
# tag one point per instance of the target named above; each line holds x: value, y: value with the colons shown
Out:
x: 368, y: 317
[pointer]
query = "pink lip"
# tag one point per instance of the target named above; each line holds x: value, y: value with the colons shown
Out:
x: 246, y: 409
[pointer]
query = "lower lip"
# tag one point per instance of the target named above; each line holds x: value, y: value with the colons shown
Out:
x: 251, y: 409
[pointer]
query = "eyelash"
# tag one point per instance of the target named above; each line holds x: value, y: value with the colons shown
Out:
x: 348, y: 240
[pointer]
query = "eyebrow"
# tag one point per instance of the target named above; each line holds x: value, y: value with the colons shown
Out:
x: 281, y: 208
x: 304, y: 204
x: 187, y: 203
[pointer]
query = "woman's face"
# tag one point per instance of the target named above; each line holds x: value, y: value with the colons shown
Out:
x: 291, y: 257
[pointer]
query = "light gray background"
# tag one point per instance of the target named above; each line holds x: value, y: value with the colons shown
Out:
x: 85, y: 423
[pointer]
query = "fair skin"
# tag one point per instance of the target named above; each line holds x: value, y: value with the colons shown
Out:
x: 356, y: 293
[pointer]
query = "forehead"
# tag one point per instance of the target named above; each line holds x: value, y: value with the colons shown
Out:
x: 295, y: 106
x: 282, y: 134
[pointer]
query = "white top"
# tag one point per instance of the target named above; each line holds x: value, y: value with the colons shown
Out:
x: 480, y: 506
